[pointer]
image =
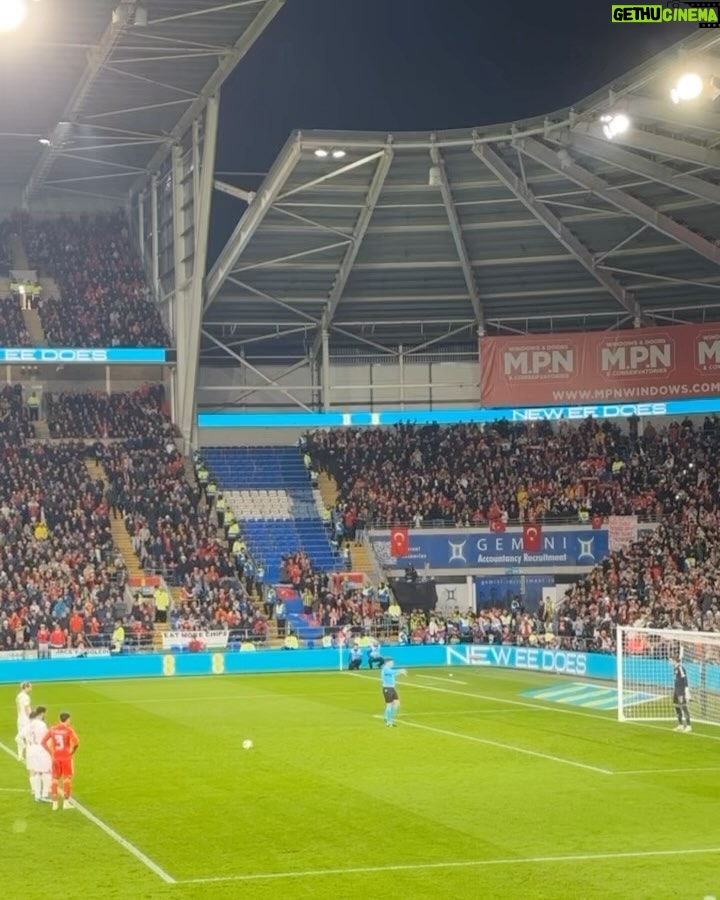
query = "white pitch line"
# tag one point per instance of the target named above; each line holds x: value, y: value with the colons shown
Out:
x: 479, y: 740
x: 444, y: 680
x: 598, y: 717
x: 667, y: 771
x: 111, y: 833
x: 13, y: 791
x: 669, y: 729
x: 461, y: 864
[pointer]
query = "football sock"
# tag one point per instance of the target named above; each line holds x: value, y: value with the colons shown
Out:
x: 67, y: 789
x: 46, y: 781
x: 388, y: 714
x: 35, y: 784
x: 54, y: 789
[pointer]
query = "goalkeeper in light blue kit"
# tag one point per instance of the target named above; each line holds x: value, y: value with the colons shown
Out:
x: 388, y: 676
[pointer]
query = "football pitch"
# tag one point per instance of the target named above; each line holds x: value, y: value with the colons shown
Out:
x: 485, y: 789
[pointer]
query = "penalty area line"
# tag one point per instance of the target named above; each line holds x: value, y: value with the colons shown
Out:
x: 460, y: 864
x: 443, y: 680
x: 116, y: 836
x: 548, y: 757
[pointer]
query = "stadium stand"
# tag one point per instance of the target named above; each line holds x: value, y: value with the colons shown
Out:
x: 269, y: 491
x: 58, y: 566
x: 667, y: 579
x: 104, y: 298
x: 467, y: 475
x: 13, y: 332
x: 15, y: 424
x: 97, y: 415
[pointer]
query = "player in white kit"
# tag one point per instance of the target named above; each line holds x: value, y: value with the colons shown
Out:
x: 37, y: 759
x: 23, y: 708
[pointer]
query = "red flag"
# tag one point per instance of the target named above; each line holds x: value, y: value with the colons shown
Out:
x: 497, y: 525
x: 399, y: 542
x: 532, y: 538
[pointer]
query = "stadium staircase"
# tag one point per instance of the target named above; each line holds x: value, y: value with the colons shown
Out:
x: 361, y: 555
x: 269, y: 491
x: 122, y: 541
x: 18, y: 256
x: 34, y: 328
x: 42, y: 431
x: 328, y: 489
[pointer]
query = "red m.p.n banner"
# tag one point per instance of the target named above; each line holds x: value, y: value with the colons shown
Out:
x: 642, y: 364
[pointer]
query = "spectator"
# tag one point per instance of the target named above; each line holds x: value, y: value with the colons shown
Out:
x: 475, y: 476
x: 104, y: 299
x: 12, y: 325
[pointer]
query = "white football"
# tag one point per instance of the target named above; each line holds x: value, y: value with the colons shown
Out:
x: 247, y: 745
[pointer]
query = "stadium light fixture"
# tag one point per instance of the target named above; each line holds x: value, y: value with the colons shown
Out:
x: 46, y: 142
x: 320, y: 153
x: 689, y: 86
x: 12, y: 14
x: 338, y: 154
x: 614, y: 124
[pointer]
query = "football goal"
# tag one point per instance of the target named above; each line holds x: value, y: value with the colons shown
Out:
x: 646, y: 675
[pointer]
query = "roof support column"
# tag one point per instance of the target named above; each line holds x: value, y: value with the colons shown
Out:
x: 154, y: 252
x: 190, y: 279
x: 141, y: 224
x: 325, y: 370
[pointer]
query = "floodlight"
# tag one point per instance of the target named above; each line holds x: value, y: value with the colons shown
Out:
x: 12, y: 14
x: 615, y: 124
x: 44, y: 141
x: 338, y: 154
x: 688, y: 87
x: 320, y: 153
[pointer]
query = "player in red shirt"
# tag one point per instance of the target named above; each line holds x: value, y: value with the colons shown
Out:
x: 61, y: 742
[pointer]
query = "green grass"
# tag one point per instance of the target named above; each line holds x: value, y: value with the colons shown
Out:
x: 328, y: 787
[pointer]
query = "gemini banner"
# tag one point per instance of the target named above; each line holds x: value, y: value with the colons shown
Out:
x: 642, y: 364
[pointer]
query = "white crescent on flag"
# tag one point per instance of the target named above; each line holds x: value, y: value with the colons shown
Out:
x: 532, y: 534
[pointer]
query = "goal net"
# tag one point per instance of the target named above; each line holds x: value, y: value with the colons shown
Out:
x: 646, y: 679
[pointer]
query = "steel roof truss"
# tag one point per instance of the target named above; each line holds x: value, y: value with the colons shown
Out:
x: 243, y: 362
x: 458, y: 239
x: 632, y: 162
x: 252, y: 219
x: 556, y: 227
x: 618, y: 198
x: 385, y: 159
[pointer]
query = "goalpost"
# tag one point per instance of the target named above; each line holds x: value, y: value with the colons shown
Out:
x: 645, y: 677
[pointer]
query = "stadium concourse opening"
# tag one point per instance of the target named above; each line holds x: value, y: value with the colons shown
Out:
x: 402, y: 325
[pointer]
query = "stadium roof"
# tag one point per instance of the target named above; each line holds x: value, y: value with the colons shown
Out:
x: 109, y: 84
x: 540, y: 225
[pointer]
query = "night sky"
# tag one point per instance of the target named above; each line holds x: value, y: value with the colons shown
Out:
x: 395, y: 65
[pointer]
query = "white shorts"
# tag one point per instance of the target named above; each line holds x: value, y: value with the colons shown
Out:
x: 37, y: 759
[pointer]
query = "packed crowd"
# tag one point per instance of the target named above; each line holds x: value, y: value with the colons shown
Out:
x: 15, y: 424
x: 104, y: 298
x: 470, y: 475
x: 59, y: 573
x: 129, y: 416
x: 13, y: 332
x: 667, y: 579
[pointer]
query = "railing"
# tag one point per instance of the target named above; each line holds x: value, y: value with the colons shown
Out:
x: 644, y: 518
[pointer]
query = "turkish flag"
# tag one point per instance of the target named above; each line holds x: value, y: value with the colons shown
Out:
x: 498, y: 526
x: 399, y: 542
x: 532, y: 537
